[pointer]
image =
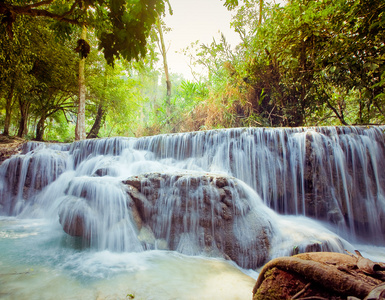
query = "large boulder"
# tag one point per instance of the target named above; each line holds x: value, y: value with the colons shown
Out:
x: 95, y: 209
x: 201, y: 213
x: 73, y: 214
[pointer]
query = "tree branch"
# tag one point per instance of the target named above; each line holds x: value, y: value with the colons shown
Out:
x: 71, y: 9
x: 341, y: 118
x: 30, y: 11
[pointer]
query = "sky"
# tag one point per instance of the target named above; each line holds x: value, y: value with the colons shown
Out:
x: 194, y: 20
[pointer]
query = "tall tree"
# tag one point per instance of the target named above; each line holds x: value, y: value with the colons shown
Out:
x: 83, y: 49
x: 163, y: 51
x: 101, y: 104
x: 9, y: 102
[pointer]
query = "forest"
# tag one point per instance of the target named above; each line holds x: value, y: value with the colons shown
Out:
x: 90, y: 68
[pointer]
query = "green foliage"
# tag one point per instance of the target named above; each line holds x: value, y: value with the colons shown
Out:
x: 118, y: 92
x: 39, y: 74
x: 58, y: 129
x: 230, y: 4
x: 129, y: 24
x: 122, y: 26
x: 40, y: 66
x: 177, y: 114
x: 310, y: 62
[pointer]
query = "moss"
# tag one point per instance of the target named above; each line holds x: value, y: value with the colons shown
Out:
x: 278, y: 285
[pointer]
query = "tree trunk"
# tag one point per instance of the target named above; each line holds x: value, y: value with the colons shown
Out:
x: 260, y: 12
x: 23, y: 123
x: 8, y: 109
x: 165, y: 65
x: 98, y: 121
x: 40, y: 128
x: 94, y: 132
x: 339, y: 116
x: 80, y: 130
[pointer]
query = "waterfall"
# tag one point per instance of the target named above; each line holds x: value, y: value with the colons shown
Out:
x: 245, y: 194
x: 333, y: 174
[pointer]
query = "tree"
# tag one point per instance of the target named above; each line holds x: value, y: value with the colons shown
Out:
x: 113, y: 99
x: 38, y: 70
x: 312, y: 57
x: 101, y: 110
x: 163, y: 52
x: 353, y: 61
x: 308, y: 62
x: 83, y: 49
x: 122, y: 27
x: 14, y: 62
x: 54, y: 88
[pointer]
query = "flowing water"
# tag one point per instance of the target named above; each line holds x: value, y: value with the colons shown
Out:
x: 185, y: 216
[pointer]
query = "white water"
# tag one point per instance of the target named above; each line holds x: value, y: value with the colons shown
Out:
x: 39, y: 261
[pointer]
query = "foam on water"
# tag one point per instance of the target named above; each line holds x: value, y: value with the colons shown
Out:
x: 39, y: 266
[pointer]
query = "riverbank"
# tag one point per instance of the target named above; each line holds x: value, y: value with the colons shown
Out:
x: 10, y: 146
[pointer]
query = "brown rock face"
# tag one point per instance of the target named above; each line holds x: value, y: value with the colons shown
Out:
x: 197, y: 213
x: 9, y: 146
x: 74, y: 226
x: 72, y: 218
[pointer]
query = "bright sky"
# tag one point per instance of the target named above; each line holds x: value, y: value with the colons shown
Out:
x: 195, y: 20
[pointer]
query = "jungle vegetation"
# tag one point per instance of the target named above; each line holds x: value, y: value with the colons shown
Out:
x: 305, y: 63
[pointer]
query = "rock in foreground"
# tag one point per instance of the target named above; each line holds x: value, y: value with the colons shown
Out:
x: 321, y: 275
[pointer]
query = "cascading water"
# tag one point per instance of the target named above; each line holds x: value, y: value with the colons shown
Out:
x: 124, y: 208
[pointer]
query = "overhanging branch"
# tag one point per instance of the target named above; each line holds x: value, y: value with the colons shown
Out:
x: 11, y: 11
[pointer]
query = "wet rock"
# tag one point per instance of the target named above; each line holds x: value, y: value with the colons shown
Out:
x: 134, y: 182
x: 72, y: 217
x: 98, y: 210
x: 25, y: 175
x: 105, y: 172
x: 201, y: 213
x: 330, y: 174
x: 221, y: 182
